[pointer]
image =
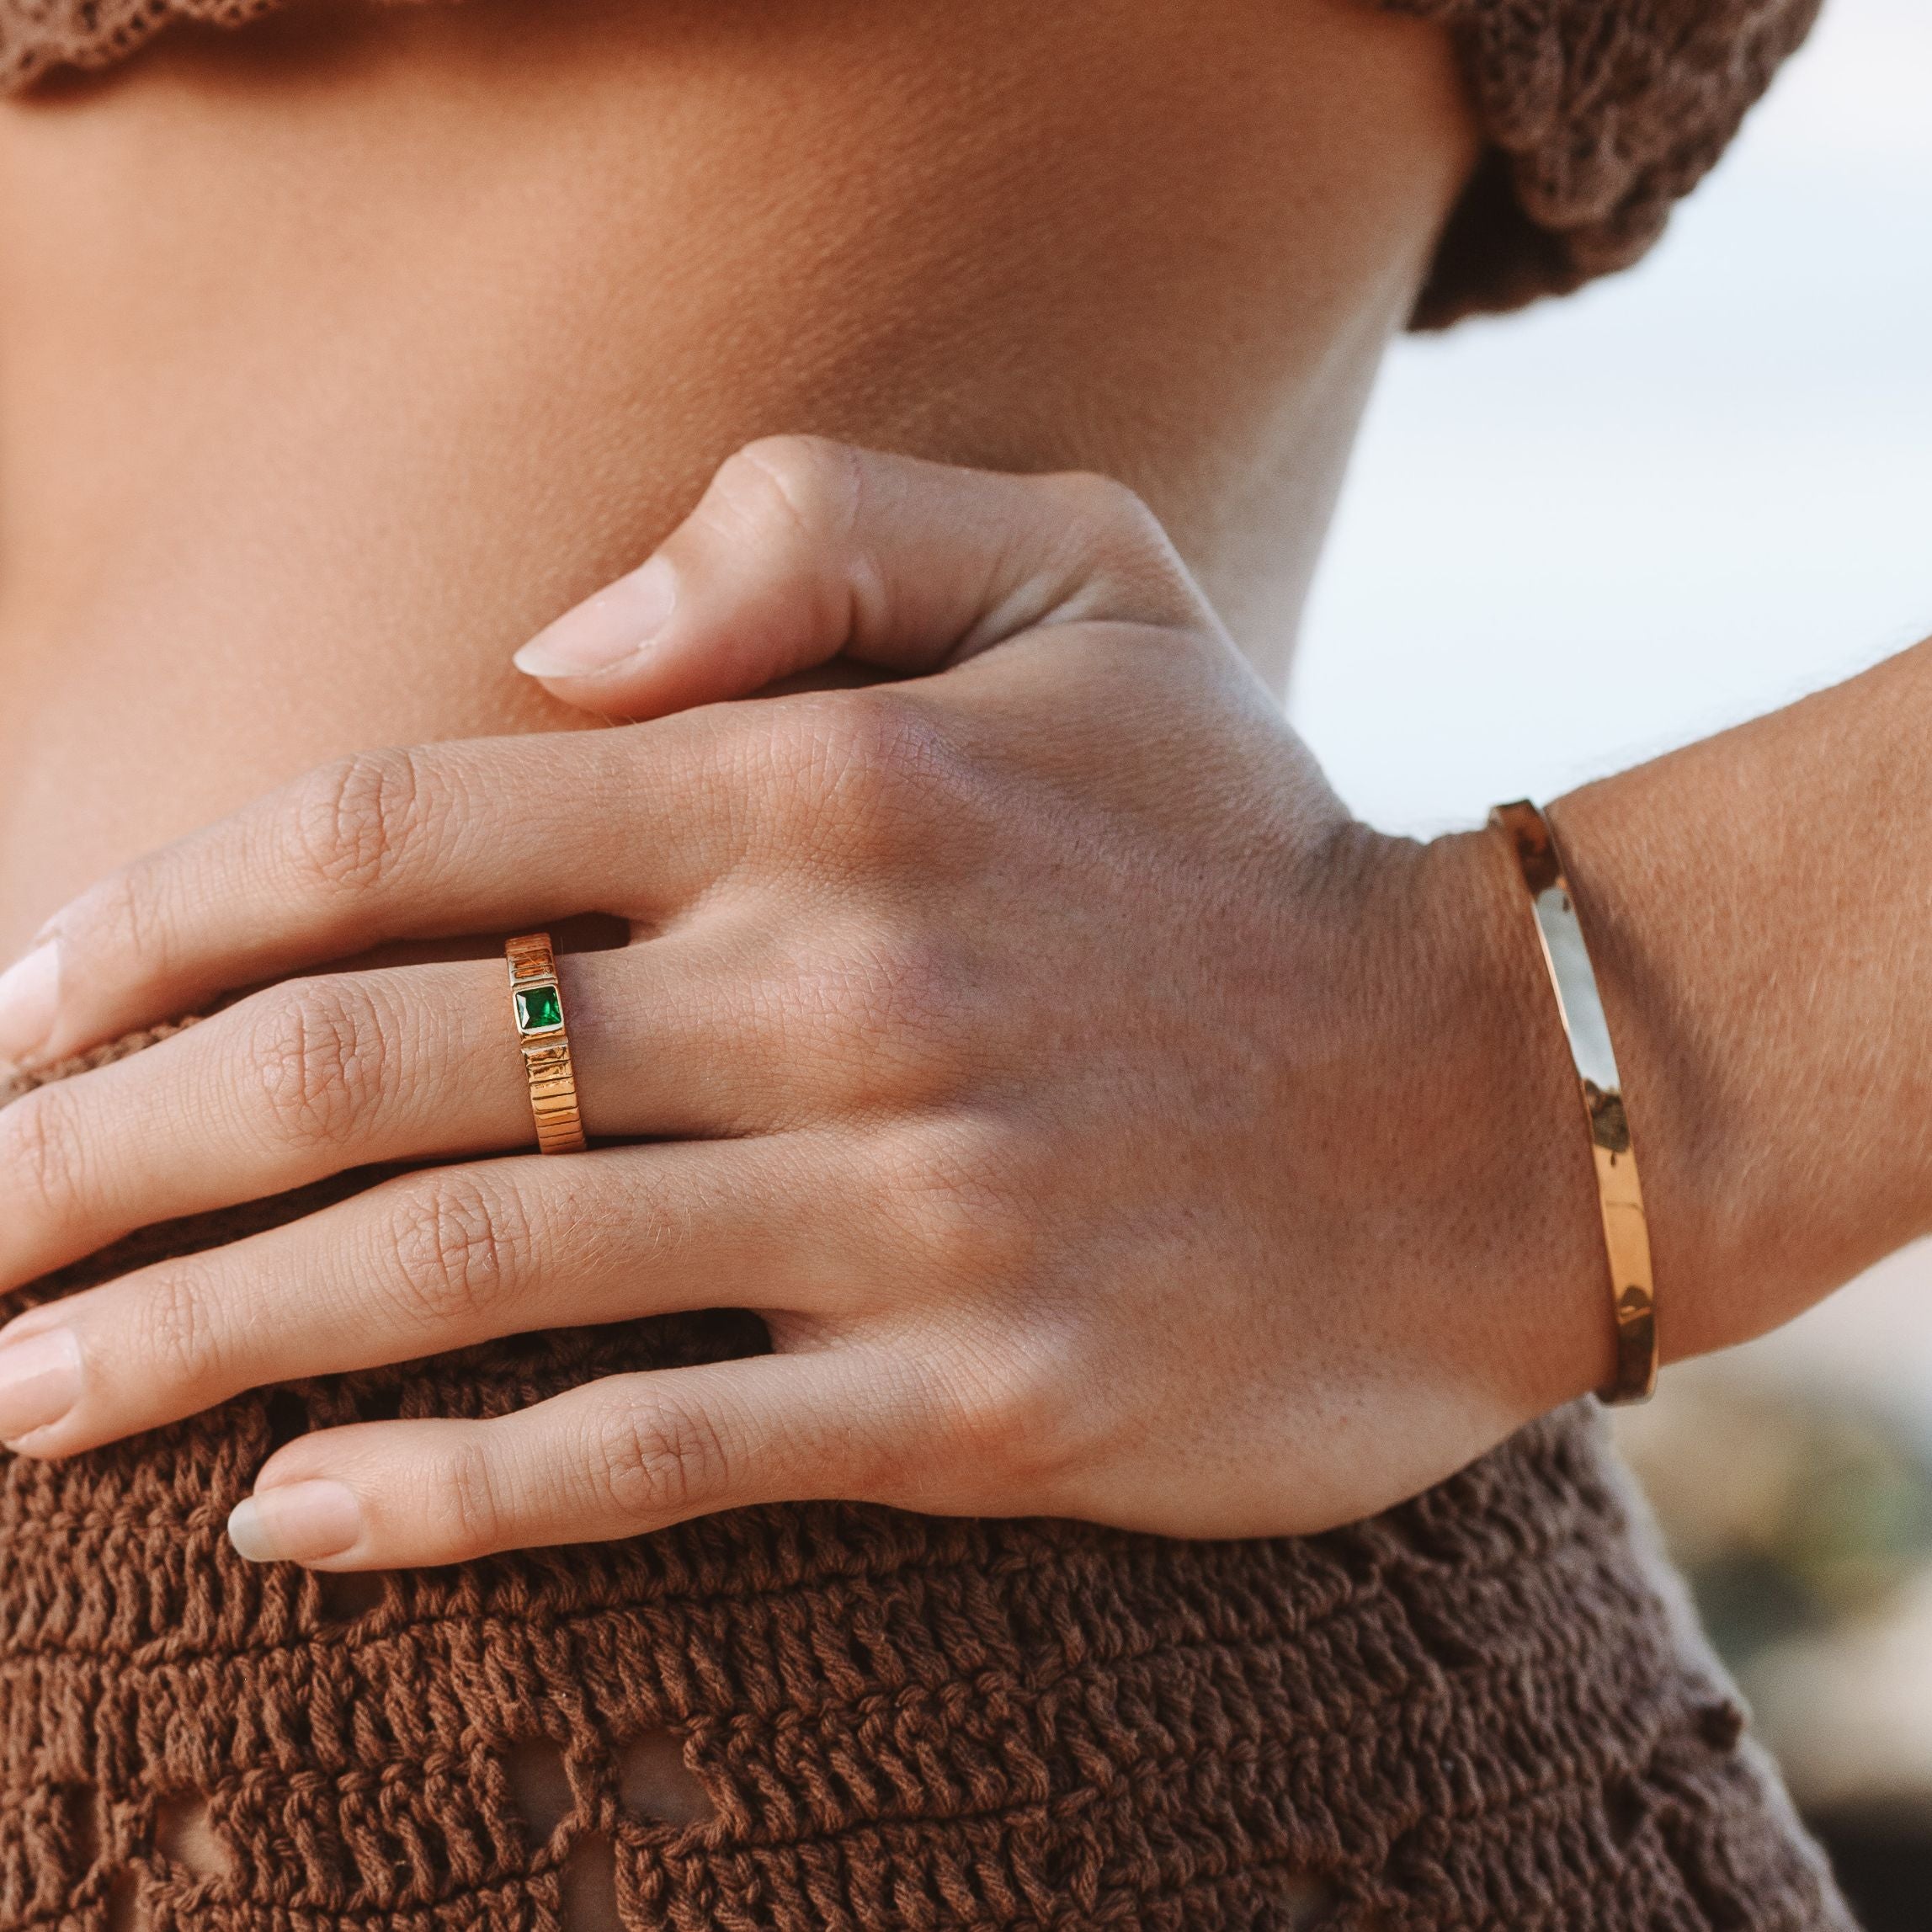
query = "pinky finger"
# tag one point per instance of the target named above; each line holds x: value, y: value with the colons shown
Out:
x: 615, y: 1458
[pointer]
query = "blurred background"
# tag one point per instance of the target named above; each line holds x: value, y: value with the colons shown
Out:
x: 1574, y: 538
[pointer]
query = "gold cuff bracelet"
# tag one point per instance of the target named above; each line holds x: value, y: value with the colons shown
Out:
x: 1627, y: 1233
x: 536, y: 1006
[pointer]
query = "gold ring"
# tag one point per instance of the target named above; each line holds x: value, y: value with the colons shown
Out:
x: 536, y: 1005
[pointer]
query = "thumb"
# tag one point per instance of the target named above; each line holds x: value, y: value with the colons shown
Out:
x: 802, y: 550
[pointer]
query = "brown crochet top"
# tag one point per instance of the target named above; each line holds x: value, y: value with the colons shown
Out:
x: 1600, y: 114
x: 1475, y: 1711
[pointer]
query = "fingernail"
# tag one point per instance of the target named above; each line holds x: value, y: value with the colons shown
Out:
x: 610, y: 627
x: 300, y: 1523
x: 30, y: 991
x: 40, y: 1381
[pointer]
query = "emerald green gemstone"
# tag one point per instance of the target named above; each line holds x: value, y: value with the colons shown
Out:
x: 538, y: 1008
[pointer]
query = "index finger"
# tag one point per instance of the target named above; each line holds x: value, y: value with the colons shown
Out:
x: 382, y: 846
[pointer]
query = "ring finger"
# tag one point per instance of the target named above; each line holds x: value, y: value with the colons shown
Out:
x: 314, y: 1077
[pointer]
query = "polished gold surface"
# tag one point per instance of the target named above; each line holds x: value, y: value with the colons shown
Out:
x: 1627, y: 1233
x: 536, y: 1009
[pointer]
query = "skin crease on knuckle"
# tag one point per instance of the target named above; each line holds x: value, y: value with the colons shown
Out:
x: 173, y: 1334
x: 349, y: 826
x: 866, y: 786
x: 1012, y: 1427
x: 802, y: 491
x: 654, y: 1459
x: 626, y: 1460
x: 460, y: 1245
x: 466, y: 1512
x: 1119, y: 561
x: 43, y: 1165
x: 322, y: 1055
x: 123, y: 919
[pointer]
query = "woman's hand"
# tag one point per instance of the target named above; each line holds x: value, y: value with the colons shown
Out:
x: 1104, y: 1125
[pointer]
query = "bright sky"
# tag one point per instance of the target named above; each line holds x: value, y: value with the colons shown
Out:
x: 1577, y: 536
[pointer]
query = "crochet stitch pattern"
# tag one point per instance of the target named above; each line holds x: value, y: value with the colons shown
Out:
x: 1598, y: 115
x: 1476, y: 1711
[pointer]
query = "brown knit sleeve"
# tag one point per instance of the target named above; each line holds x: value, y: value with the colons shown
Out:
x: 1598, y: 115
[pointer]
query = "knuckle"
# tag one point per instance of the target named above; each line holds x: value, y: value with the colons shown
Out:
x: 959, y: 1211
x: 867, y: 772
x: 655, y: 1459
x: 803, y: 487
x: 460, y: 1245
x: 44, y: 1150
x: 350, y: 824
x: 1105, y: 509
x: 179, y: 1328
x: 126, y: 917
x: 1123, y: 546
x: 471, y: 1500
x: 1013, y: 1398
x: 319, y: 1053
x: 897, y: 1004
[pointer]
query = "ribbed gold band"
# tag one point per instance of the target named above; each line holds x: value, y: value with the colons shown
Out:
x: 1626, y: 1232
x: 536, y: 1005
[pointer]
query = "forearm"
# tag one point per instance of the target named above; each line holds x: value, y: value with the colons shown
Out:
x: 1758, y: 908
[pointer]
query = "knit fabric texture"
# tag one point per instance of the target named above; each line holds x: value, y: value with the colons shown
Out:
x: 1476, y: 1711
x: 1599, y: 115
